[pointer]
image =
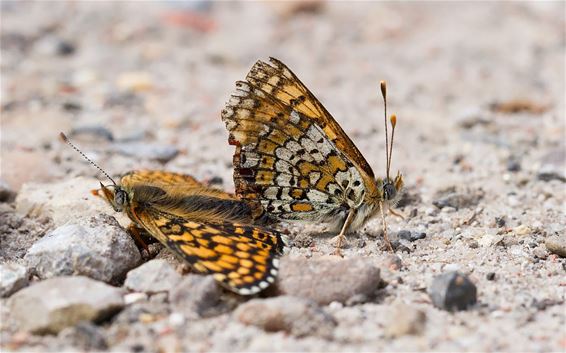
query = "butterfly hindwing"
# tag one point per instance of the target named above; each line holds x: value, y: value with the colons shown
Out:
x: 285, y: 158
x: 241, y: 257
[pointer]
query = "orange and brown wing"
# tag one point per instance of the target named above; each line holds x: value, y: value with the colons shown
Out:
x: 277, y: 80
x: 285, y: 158
x: 243, y: 258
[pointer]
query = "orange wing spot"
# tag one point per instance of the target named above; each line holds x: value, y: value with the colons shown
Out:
x: 267, y: 162
x: 175, y: 228
x: 248, y: 279
x: 230, y: 259
x: 233, y: 275
x: 264, y: 176
x: 258, y: 275
x: 188, y: 250
x: 203, y: 253
x: 213, y: 266
x: 191, y: 225
x: 330, y: 132
x: 199, y: 267
x: 246, y: 263
x: 266, y: 146
x: 186, y: 237
x: 219, y: 276
x: 226, y: 265
x: 242, y: 254
x: 324, y: 181
x: 221, y: 240
x: 243, y: 247
x: 297, y: 193
x: 260, y: 268
x: 243, y: 270
x: 239, y: 230
x: 223, y: 249
x: 236, y: 282
x: 301, y: 207
x: 278, y: 137
x: 304, y: 183
x: 336, y: 163
x: 260, y: 259
x: 203, y: 242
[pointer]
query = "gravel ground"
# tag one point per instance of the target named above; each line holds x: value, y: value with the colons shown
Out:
x: 478, y: 89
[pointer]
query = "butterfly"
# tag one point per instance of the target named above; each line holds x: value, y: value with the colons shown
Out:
x: 214, y: 231
x: 296, y: 160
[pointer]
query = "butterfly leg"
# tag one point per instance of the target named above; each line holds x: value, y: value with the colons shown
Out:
x: 385, y: 237
x: 339, y: 239
x: 136, y: 233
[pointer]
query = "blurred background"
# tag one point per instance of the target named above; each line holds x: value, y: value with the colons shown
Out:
x: 142, y: 84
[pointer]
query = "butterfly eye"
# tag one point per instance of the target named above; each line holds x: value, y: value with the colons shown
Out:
x: 120, y: 197
x: 389, y: 191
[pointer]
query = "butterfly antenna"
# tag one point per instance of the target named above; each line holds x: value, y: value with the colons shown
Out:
x: 383, y: 86
x: 66, y: 139
x: 393, y: 121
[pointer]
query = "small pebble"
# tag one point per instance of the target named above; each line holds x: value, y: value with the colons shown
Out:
x: 410, y: 236
x: 500, y: 221
x: 490, y: 276
x: 453, y: 291
x: 556, y: 245
x: 513, y: 165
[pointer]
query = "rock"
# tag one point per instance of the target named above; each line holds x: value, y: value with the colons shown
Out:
x: 453, y: 291
x: 540, y: 252
x: 63, y: 202
x: 513, y: 164
x: 197, y: 296
x: 490, y: 276
x: 85, y: 336
x: 296, y: 316
x: 490, y: 239
x: 405, y: 320
x: 13, y: 277
x: 327, y: 280
x: 410, y: 236
x: 522, y: 230
x: 452, y: 198
x: 99, y: 249
x: 557, y: 245
x: 6, y: 193
x: 152, y: 277
x: 393, y: 262
x: 51, y: 305
x: 143, y: 150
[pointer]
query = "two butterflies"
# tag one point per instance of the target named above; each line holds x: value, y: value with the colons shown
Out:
x: 292, y: 162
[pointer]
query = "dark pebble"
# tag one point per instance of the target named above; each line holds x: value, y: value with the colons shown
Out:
x: 410, y: 236
x: 216, y: 180
x: 453, y: 291
x: 490, y: 276
x: 548, y: 176
x: 513, y: 165
x: 65, y: 48
x: 500, y: 221
x: 72, y: 107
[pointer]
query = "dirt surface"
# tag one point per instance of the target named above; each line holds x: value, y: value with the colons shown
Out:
x: 478, y: 89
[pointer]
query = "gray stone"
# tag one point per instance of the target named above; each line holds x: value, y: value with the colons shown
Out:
x: 98, y: 248
x: 152, y: 277
x: 197, y: 296
x: 51, y: 305
x: 296, y: 316
x: 450, y: 197
x: 556, y: 245
x: 13, y: 277
x: 64, y: 202
x: 453, y: 291
x: 328, y: 280
x: 405, y: 320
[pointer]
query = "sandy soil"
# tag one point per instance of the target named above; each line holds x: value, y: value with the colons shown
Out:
x: 479, y: 94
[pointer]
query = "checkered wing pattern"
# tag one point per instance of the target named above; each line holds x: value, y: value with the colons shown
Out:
x: 290, y: 153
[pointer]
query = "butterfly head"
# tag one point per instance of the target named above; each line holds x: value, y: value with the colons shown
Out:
x: 391, y: 188
x: 115, y: 195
